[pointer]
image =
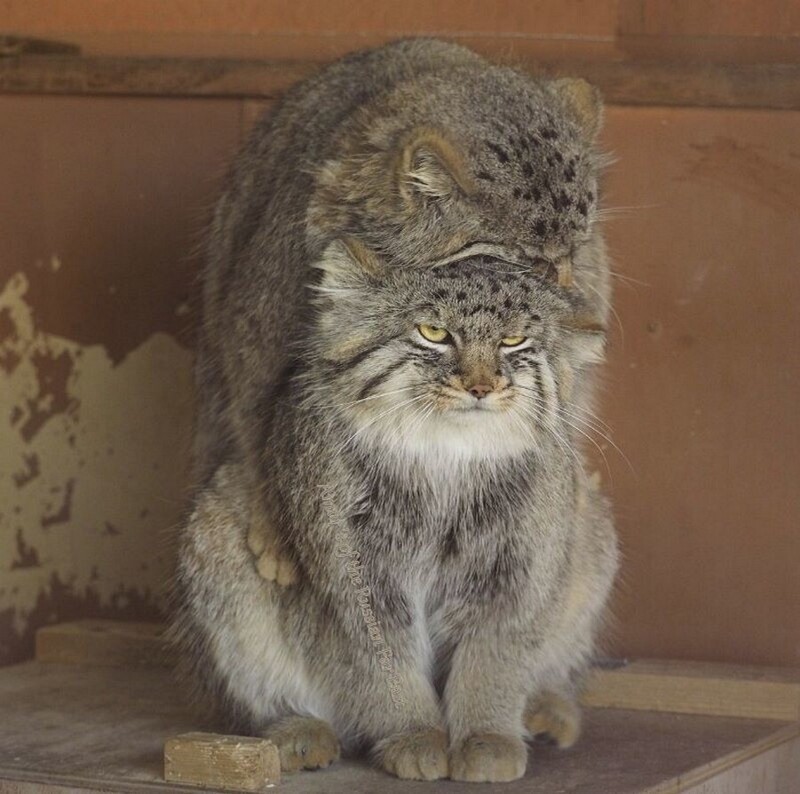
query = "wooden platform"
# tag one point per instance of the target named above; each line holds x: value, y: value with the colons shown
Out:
x: 100, y: 727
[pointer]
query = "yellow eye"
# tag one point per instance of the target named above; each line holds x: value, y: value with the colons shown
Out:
x: 433, y: 334
x: 512, y: 341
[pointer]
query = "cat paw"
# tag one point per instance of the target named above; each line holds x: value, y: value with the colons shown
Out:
x: 270, y: 563
x: 554, y: 717
x: 303, y: 743
x: 489, y: 758
x: 418, y: 755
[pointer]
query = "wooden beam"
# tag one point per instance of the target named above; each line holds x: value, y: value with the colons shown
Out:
x: 698, y: 688
x: 623, y: 82
x: 105, y: 643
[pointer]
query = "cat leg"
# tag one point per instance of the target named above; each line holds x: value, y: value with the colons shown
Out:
x: 374, y: 670
x: 484, y: 697
x: 384, y: 696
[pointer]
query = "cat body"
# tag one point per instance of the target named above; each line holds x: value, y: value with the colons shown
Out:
x: 391, y: 374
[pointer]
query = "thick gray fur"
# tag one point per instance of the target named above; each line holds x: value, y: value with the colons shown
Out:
x: 486, y: 554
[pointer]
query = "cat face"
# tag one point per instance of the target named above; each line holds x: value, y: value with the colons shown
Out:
x: 470, y: 358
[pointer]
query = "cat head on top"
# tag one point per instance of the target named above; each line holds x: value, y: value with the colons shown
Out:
x: 469, y: 359
x: 484, y: 155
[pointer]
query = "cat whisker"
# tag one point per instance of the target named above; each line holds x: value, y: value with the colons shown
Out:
x: 587, y: 436
x: 586, y: 415
x: 593, y: 421
x: 628, y: 279
x: 380, y: 416
x: 607, y: 304
x: 559, y: 438
x: 376, y: 396
x: 605, y: 438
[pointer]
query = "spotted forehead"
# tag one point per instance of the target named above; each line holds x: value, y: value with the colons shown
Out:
x: 484, y: 286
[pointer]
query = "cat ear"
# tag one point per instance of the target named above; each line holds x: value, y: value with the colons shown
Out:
x: 429, y: 165
x: 582, y: 102
x: 587, y: 340
x: 348, y: 263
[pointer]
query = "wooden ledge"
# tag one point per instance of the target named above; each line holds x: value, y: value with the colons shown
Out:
x: 623, y: 82
x: 67, y: 729
x: 104, y: 643
x: 648, y: 685
x: 698, y: 688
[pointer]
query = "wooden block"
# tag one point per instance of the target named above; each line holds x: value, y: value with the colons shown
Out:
x: 698, y: 688
x: 216, y: 761
x: 107, y: 643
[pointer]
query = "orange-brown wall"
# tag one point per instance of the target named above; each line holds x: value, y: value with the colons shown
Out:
x: 101, y: 211
x: 764, y: 30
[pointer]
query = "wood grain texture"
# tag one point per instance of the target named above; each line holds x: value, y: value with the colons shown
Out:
x: 215, y: 760
x: 694, y: 688
x: 762, y: 18
x: 768, y: 766
x: 79, y: 728
x: 107, y: 643
x: 247, y: 17
x: 621, y: 82
x: 702, y: 387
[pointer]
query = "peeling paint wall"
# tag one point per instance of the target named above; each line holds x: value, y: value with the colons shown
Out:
x: 91, y: 474
x: 99, y: 225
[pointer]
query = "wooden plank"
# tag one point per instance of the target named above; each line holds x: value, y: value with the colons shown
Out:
x: 245, y: 17
x: 698, y: 688
x: 709, y: 49
x: 766, y: 18
x: 213, y: 760
x: 173, y: 77
x: 768, y: 766
x: 84, y: 728
x: 106, y: 643
x: 628, y: 82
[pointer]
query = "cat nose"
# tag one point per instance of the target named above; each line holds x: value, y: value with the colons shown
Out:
x: 480, y: 390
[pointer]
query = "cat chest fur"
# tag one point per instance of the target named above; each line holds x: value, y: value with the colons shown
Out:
x: 469, y: 532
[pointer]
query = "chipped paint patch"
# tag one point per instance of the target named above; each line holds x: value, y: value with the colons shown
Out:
x: 92, y: 474
x: 30, y: 470
x: 27, y: 557
x: 63, y: 514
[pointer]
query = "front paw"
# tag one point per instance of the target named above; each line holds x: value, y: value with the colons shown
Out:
x: 271, y: 564
x: 554, y: 717
x: 417, y: 755
x: 303, y: 743
x: 489, y: 758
